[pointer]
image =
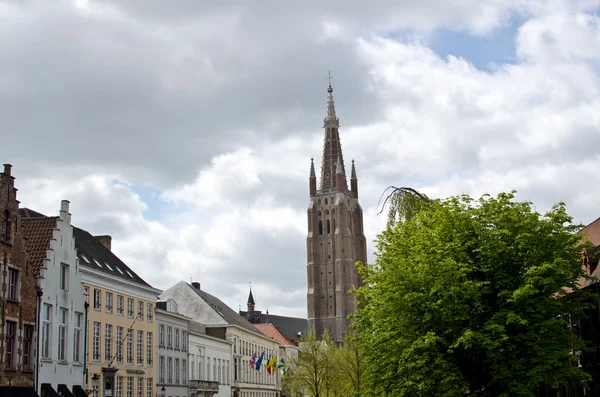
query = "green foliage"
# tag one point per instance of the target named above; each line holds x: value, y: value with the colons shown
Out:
x: 468, y: 297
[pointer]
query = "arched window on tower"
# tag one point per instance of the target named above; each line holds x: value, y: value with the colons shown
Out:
x: 5, y: 235
x: 334, y: 225
x: 325, y: 201
x: 320, y: 227
x: 328, y: 226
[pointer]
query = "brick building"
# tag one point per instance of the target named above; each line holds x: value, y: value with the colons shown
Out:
x: 335, y: 240
x: 18, y: 295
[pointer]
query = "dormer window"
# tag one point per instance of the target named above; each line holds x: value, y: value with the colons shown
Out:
x: 6, y: 227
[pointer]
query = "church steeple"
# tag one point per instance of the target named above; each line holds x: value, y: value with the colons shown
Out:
x: 353, y: 180
x: 250, y: 303
x: 332, y: 147
x: 312, y: 179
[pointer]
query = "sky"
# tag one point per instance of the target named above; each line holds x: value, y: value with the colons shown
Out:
x: 185, y: 129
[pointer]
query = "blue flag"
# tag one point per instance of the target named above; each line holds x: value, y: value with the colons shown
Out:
x: 259, y: 361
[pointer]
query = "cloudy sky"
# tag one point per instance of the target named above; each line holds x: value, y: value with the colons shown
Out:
x: 185, y: 129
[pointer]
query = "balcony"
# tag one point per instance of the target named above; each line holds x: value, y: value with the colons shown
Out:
x: 204, y: 386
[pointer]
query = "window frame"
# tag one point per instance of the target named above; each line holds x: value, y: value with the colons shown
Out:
x: 64, y: 277
x: 13, y: 284
x: 62, y: 334
x: 10, y: 339
x: 46, y: 332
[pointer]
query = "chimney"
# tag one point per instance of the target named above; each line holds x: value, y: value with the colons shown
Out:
x: 196, y: 285
x: 7, y: 168
x: 106, y: 241
x: 64, y: 207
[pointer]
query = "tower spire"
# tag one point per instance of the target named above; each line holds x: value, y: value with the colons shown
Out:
x: 332, y: 147
x: 312, y: 168
x: 250, y: 303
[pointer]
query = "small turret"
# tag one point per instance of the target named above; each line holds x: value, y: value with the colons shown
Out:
x: 312, y: 180
x: 353, y: 180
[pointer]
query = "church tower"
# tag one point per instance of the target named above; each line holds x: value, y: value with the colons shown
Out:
x: 336, y: 240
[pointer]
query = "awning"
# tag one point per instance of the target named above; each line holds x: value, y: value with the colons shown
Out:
x: 79, y: 392
x: 48, y: 391
x: 64, y: 391
x: 17, y: 391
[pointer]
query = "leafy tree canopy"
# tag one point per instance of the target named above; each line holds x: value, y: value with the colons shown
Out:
x: 471, y: 297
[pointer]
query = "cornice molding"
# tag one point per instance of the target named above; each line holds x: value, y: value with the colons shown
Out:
x: 104, y: 276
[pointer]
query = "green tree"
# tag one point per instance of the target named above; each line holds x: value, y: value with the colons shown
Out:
x: 350, y: 364
x: 469, y: 297
x: 313, y: 372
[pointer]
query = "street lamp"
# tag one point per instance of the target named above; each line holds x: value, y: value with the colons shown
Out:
x: 95, y: 382
x: 162, y: 394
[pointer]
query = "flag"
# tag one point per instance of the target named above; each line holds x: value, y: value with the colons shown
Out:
x: 259, y: 362
x: 281, y: 365
x: 271, y: 364
x: 253, y: 361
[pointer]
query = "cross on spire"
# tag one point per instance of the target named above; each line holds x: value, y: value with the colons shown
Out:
x: 329, y: 77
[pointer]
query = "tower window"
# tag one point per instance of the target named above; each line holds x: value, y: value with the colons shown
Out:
x: 328, y: 226
x: 320, y: 227
x: 325, y: 201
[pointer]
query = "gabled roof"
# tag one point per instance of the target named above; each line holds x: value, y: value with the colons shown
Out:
x: 228, y: 314
x: 92, y: 253
x: 39, y: 232
x: 272, y: 332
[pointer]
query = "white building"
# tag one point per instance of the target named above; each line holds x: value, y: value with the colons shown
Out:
x: 210, y: 363
x: 62, y: 305
x: 172, y: 350
x: 223, y: 322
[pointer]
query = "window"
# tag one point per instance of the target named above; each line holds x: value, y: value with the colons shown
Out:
x: 120, y: 305
x: 77, y: 337
x: 169, y: 337
x: 176, y: 371
x: 119, y: 387
x: 129, y: 346
x: 183, y: 372
x: 169, y: 370
x: 108, y: 343
x: 109, y: 302
x: 228, y: 380
x: 177, y: 338
x: 183, y: 340
x: 140, y: 311
x: 64, y: 277
x: 9, y: 344
x: 149, y: 348
x: 161, y: 335
x: 192, y: 367
x: 149, y: 382
x: 129, y: 307
x: 97, y: 302
x: 62, y: 335
x: 161, y: 369
x: 6, y: 227
x: 119, y: 344
x: 96, y: 342
x: 320, y: 227
x: 140, y: 387
x: 149, y: 312
x: 328, y: 226
x: 140, y: 347
x: 129, y: 386
x: 46, y: 327
x: 27, y: 345
x: 13, y: 278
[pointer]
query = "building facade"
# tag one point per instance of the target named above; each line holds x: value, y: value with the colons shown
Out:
x: 121, y: 324
x: 172, y: 350
x: 224, y: 323
x: 206, y: 353
x: 18, y: 293
x: 336, y: 239
x: 61, y: 330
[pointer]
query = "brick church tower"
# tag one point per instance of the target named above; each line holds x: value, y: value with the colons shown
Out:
x: 336, y: 240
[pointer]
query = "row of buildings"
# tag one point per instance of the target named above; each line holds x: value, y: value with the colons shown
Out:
x: 77, y: 321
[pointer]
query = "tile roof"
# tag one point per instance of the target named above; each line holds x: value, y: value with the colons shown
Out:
x: 91, y: 252
x: 272, y: 332
x: 39, y: 232
x: 288, y: 326
x: 228, y: 314
x: 592, y: 232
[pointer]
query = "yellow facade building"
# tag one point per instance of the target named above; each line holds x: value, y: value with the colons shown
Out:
x: 121, y: 324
